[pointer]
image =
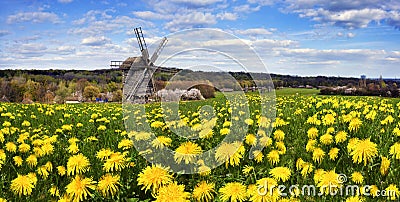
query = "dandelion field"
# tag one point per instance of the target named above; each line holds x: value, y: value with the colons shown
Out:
x: 84, y: 153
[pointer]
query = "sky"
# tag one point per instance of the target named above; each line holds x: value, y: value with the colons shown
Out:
x: 295, y: 37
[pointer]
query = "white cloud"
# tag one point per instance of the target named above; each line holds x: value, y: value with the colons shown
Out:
x: 350, y: 35
x: 34, y: 17
x: 190, y: 20
x: 65, y: 1
x: 227, y: 16
x: 95, y: 41
x: 246, y: 8
x: 254, y: 32
x: 196, y: 2
x: 4, y: 33
x: 151, y: 15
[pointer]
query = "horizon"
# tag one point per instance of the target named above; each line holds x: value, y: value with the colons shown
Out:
x: 349, y: 39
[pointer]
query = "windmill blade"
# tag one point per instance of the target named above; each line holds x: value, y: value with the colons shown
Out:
x: 142, y: 44
x: 158, y: 50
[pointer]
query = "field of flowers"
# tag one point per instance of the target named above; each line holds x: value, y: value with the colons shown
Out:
x: 83, y: 152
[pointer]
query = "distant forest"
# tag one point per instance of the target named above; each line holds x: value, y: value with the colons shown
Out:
x: 48, y: 86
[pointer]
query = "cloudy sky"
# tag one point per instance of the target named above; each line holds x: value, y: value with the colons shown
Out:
x: 296, y: 37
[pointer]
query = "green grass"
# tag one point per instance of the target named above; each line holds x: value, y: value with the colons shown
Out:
x: 296, y: 91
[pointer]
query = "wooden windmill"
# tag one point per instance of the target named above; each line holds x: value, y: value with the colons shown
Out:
x: 138, y: 71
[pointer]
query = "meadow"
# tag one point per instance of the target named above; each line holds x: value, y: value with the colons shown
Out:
x: 83, y: 152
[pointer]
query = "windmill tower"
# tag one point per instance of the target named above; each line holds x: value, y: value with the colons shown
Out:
x: 138, y: 71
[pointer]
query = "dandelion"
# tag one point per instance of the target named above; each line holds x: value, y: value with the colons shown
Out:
x: 157, y: 124
x: 340, y: 137
x: 116, y: 162
x: 79, y: 187
x: 24, y: 148
x: 54, y: 191
x: 357, y: 178
x: 273, y: 157
x: 108, y: 184
x: 326, y: 180
x: 264, y: 191
x: 385, y: 164
x: 233, y: 191
x: 18, y: 160
x: 22, y: 185
x: 187, y: 151
x: 224, y: 131
x: 318, y: 155
x: 247, y: 169
x: 280, y: 173
x: 326, y: 139
x: 395, y: 150
x: 392, y: 192
x: 251, y: 140
x: 31, y: 160
x: 61, y: 170
x: 279, y: 135
x: 125, y: 144
x: 355, y: 124
x: 364, y: 150
x: 230, y: 153
x: 311, y: 145
x: 77, y: 164
x: 258, y: 156
x: 153, y: 178
x: 300, y: 163
x: 11, y: 147
x: 172, y: 192
x: 102, y: 128
x: 354, y: 199
x: 333, y: 153
x: 307, y: 169
x: 104, y: 154
x: 312, y: 133
x: 374, y: 191
x: 73, y: 148
x: 204, y: 191
x: 161, y: 141
x: 281, y: 147
x: 266, y: 141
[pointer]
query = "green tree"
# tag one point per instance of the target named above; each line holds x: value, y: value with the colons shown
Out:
x: 91, y: 92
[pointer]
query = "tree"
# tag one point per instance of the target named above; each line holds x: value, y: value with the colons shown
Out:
x: 91, y: 92
x: 117, y: 96
x: 62, y: 91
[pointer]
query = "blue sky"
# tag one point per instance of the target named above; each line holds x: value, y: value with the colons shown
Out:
x: 296, y: 37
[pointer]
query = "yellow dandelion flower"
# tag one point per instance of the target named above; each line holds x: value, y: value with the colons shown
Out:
x: 224, y: 131
x: 79, y: 187
x: 73, y: 148
x: 357, y: 177
x: 354, y: 199
x: 61, y: 170
x: 374, y: 191
x: 281, y: 147
x: 47, y: 149
x: 230, y: 153
x: 352, y: 144
x: 258, y: 156
x: 172, y: 192
x: 264, y: 191
x: 77, y: 164
x: 392, y: 192
x: 125, y: 144
x: 395, y: 150
x: 108, y: 184
x: 326, y: 139
x: 251, y: 140
x: 24, y: 148
x: 333, y: 153
x: 364, y: 150
x: 340, y: 137
x: 102, y: 128
x: 312, y: 133
x: 311, y: 145
x: 187, y: 151
x: 54, y: 191
x: 22, y: 185
x: 161, y: 141
x: 247, y: 169
x: 32, y: 177
x: 204, y: 170
x: 307, y: 169
x: 31, y: 160
x: 385, y: 164
x: 273, y: 157
x: 327, y: 181
x: 280, y: 173
x: 233, y: 191
x: 153, y: 177
x: 204, y: 191
x: 266, y: 141
x: 18, y: 161
x: 328, y: 120
x: 42, y: 171
x: 157, y: 124
x: 279, y: 135
x: 116, y: 162
x: 355, y: 124
x: 318, y: 155
x: 104, y: 153
x: 11, y: 147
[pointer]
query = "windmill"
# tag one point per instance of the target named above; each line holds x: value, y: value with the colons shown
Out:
x: 138, y: 71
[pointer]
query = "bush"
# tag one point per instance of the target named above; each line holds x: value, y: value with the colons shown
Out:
x: 206, y: 90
